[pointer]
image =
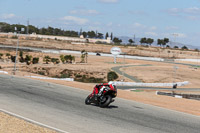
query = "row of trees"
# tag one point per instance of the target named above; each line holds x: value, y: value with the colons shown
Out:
x: 146, y: 40
x: 162, y: 42
x: 5, y: 27
x: 28, y: 59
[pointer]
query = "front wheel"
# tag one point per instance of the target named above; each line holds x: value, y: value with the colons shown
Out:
x: 105, y: 101
x: 88, y: 100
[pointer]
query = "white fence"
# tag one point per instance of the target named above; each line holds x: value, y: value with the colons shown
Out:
x: 64, y: 79
x: 150, y: 84
x: 189, y: 60
x: 4, y: 72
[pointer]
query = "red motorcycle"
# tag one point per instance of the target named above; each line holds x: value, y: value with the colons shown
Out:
x: 104, y: 99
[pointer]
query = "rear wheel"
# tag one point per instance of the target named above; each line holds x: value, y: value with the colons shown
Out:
x: 88, y: 100
x: 105, y: 101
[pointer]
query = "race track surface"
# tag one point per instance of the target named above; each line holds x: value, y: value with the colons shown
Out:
x: 64, y: 108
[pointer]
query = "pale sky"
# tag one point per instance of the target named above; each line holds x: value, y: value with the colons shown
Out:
x: 143, y: 18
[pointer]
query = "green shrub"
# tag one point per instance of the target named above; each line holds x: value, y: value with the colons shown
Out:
x: 13, y: 58
x: 78, y: 76
x: 22, y: 60
x: 35, y: 60
x: 184, y: 48
x: 86, y: 79
x: 7, y: 54
x: 14, y: 37
x: 47, y: 59
x: 21, y: 53
x: 41, y: 73
x: 112, y: 76
x: 55, y: 60
x: 65, y: 75
x: 69, y: 58
x: 62, y: 58
x: 176, y: 47
x: 1, y: 55
x: 95, y: 80
x: 28, y: 59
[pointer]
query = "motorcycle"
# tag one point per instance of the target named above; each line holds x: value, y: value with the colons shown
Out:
x: 104, y: 100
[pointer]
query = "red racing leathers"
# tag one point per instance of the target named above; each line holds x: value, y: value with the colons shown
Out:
x: 98, y: 89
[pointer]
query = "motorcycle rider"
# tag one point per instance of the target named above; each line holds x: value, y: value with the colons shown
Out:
x: 98, y: 89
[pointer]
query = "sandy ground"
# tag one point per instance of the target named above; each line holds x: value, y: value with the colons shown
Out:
x: 139, y: 50
x: 10, y: 124
x: 156, y: 72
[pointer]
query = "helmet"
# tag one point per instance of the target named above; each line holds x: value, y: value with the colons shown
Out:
x: 111, y: 85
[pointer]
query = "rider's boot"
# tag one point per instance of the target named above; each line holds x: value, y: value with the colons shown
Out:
x: 96, y: 97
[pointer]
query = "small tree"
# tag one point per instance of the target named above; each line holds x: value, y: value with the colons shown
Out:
x: 84, y: 34
x: 143, y: 40
x: 28, y: 59
x: 112, y: 76
x: 62, y: 58
x: 35, y: 60
x: 84, y: 56
x: 117, y: 40
x: 21, y: 53
x: 13, y: 58
x: 149, y: 41
x: 47, y: 59
x: 68, y: 58
x: 166, y: 40
x: 73, y: 58
x: 184, y: 48
x: 111, y: 36
x: 55, y: 60
x: 21, y: 57
x: 1, y: 55
x: 106, y: 35
x: 176, y: 47
x: 130, y: 41
x: 159, y: 42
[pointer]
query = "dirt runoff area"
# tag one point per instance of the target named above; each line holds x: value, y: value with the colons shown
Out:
x: 11, y: 124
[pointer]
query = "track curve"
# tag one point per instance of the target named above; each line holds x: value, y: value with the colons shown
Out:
x: 63, y: 108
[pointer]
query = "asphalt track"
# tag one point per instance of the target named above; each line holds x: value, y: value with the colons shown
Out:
x: 63, y: 108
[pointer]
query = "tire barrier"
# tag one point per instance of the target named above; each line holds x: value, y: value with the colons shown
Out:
x: 178, y: 95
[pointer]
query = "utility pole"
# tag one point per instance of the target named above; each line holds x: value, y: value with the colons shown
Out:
x: 175, y: 35
x: 124, y: 53
x: 174, y: 81
x: 27, y: 31
x: 14, y: 70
